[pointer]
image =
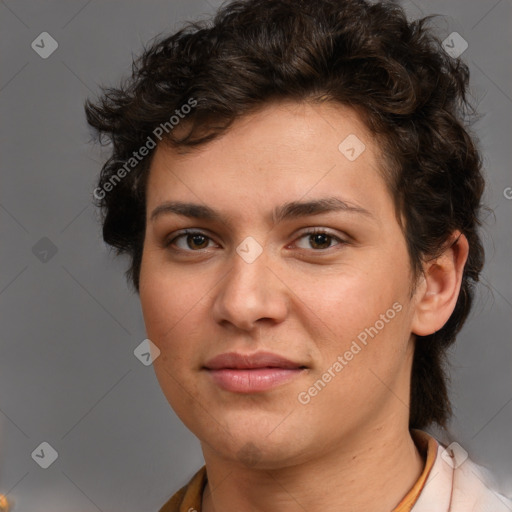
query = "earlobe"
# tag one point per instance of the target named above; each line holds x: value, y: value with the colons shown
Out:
x: 440, y: 289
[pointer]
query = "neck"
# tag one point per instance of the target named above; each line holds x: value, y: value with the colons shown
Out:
x: 374, y: 473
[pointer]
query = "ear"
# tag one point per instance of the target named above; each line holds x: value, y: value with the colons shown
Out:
x: 437, y: 295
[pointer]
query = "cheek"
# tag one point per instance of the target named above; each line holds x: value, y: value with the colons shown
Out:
x: 168, y: 309
x: 364, y: 315
x: 351, y: 299
x: 168, y: 301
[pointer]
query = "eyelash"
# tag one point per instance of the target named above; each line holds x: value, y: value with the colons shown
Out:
x: 315, y: 231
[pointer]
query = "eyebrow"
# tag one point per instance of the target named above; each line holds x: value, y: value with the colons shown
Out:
x: 286, y: 211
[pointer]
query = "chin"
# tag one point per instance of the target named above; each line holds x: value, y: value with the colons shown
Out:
x: 258, y: 449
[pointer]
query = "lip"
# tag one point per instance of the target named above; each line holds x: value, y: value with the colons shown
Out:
x: 251, y: 373
x: 234, y: 360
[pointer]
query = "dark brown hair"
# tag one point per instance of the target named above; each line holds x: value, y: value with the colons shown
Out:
x: 410, y: 93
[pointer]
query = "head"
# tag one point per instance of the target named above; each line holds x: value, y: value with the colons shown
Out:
x: 279, y: 101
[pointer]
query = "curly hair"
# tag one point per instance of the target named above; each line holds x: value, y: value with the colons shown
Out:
x: 411, y: 95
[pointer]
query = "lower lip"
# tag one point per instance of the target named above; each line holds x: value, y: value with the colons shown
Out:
x: 251, y: 381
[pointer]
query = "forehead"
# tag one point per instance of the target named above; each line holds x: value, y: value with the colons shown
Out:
x: 286, y: 150
x: 286, y: 124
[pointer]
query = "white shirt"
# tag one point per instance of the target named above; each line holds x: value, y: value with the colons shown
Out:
x: 456, y: 484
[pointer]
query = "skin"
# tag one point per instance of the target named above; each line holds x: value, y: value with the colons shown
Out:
x: 349, y: 448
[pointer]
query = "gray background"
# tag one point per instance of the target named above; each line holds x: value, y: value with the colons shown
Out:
x: 68, y: 375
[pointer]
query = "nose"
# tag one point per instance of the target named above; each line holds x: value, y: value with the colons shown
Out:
x: 251, y: 293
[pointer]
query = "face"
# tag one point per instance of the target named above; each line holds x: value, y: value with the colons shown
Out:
x: 314, y: 301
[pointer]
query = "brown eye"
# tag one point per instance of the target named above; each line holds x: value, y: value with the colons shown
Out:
x: 193, y: 241
x: 319, y: 240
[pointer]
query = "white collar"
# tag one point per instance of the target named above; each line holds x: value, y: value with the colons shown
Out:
x: 456, y: 484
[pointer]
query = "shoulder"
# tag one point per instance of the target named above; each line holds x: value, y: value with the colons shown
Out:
x: 456, y: 484
x: 474, y: 486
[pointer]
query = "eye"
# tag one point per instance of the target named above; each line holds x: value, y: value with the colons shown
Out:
x: 319, y: 239
x: 193, y: 240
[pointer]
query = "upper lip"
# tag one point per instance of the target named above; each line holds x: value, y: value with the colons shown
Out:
x: 234, y: 360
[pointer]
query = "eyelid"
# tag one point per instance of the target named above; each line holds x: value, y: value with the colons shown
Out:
x: 314, y: 230
x: 318, y: 230
x: 182, y: 232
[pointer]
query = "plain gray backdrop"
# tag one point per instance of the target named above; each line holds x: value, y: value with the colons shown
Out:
x: 70, y: 324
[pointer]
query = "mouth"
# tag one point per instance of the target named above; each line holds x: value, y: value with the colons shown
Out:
x: 263, y: 371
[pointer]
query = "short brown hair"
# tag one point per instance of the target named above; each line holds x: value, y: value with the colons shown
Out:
x: 410, y: 93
